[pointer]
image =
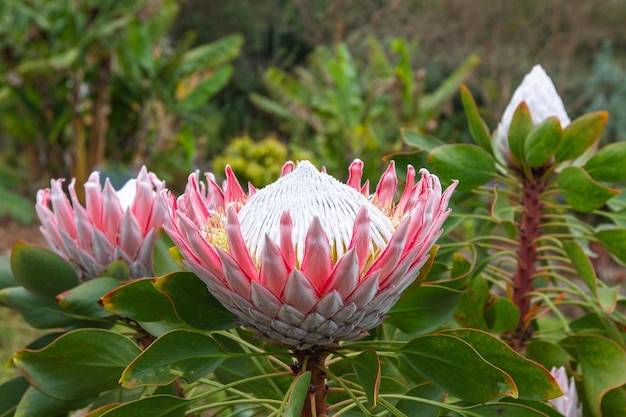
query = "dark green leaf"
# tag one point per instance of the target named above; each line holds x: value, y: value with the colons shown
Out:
x: 153, y: 406
x: 549, y: 354
x: 193, y: 302
x: 206, y: 89
x: 297, y: 394
x: 79, y: 364
x: 502, y: 409
x: 581, y: 191
x: 117, y: 269
x: 179, y: 353
x: 456, y: 367
x: 477, y: 127
x: 471, y: 309
x: 470, y: 164
x: 11, y: 392
x: 420, y: 140
x: 533, y: 381
x: 521, y: 126
x: 41, y: 313
x: 603, y: 364
x: 502, y: 315
x: 367, y: 369
x: 608, y: 163
x: 84, y: 298
x: 164, y: 263
x: 34, y: 403
x: 41, y: 271
x: 614, y: 403
x: 613, y: 240
x: 579, y: 135
x: 581, y: 262
x: 419, y: 409
x: 542, y: 141
x: 141, y: 301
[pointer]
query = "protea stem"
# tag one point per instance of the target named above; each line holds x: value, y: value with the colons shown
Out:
x: 313, y: 360
x: 529, y: 232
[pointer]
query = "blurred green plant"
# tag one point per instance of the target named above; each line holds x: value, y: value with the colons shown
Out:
x: 342, y: 109
x: 256, y: 162
x: 85, y: 81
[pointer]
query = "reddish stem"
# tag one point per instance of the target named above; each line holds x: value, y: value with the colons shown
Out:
x: 529, y: 232
x: 315, y: 401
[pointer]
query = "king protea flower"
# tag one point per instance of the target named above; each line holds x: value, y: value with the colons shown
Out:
x: 539, y: 93
x: 567, y: 404
x: 112, y: 225
x: 308, y: 261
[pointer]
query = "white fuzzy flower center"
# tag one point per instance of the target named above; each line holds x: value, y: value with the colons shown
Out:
x: 306, y: 193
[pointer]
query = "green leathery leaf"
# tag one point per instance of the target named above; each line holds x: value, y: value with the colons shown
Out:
x: 84, y: 298
x: 613, y: 240
x: 297, y: 394
x: 471, y: 310
x: 603, y: 364
x: 35, y: 403
x: 117, y: 269
x: 454, y: 365
x: 608, y: 163
x: 505, y: 409
x: 420, y: 409
x: 6, y: 276
x: 163, y: 263
x: 502, y: 315
x: 141, y: 301
x: 40, y: 313
x: 178, y: 353
x: 542, y: 141
x: 533, y: 381
x: 206, y: 89
x: 470, y: 164
x: 521, y: 126
x: 547, y: 353
x: 193, y: 302
x: 579, y: 135
x: 581, y: 191
x: 153, y: 406
x: 78, y: 364
x: 11, y: 392
x: 477, y: 127
x: 614, y: 402
x: 420, y: 140
x: 367, y: 369
x: 41, y: 271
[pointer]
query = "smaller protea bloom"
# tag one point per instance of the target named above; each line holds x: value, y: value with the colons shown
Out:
x: 308, y: 260
x: 539, y: 93
x: 567, y: 404
x: 112, y: 225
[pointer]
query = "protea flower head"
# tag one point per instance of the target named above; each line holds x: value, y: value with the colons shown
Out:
x: 111, y: 225
x: 567, y: 404
x: 308, y: 260
x: 539, y: 93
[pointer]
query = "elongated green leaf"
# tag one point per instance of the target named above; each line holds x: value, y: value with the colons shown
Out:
x: 613, y: 240
x: 11, y: 392
x: 420, y: 140
x: 164, y: 263
x: 367, y: 369
x: 521, y: 126
x: 549, y: 354
x: 297, y: 394
x: 603, y: 364
x: 153, y: 406
x: 477, y: 127
x: 84, y: 298
x: 579, y: 135
x: 608, y: 163
x: 77, y: 365
x: 542, y: 142
x: 6, y: 276
x: 206, y: 89
x: 457, y: 367
x: 581, y: 191
x: 470, y: 164
x: 40, y: 313
x: 211, y: 55
x: 193, y: 302
x: 141, y: 301
x: 471, y: 310
x: 533, y: 381
x: 41, y: 271
x: 419, y: 409
x: 271, y: 106
x: 179, y: 353
x: 35, y: 403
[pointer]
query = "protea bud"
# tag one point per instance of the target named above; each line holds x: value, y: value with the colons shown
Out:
x: 112, y: 225
x: 539, y: 93
x: 567, y: 404
x: 308, y: 261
